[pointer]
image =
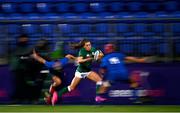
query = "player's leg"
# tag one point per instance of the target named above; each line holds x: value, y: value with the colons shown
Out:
x: 102, y: 91
x: 96, y: 78
x: 56, y: 82
x: 104, y: 87
x: 51, y: 97
x: 134, y: 79
x: 134, y: 85
x: 75, y: 81
x: 108, y: 80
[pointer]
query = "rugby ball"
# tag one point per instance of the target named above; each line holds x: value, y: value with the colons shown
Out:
x: 97, y: 53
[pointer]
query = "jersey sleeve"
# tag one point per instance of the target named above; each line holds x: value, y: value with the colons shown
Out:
x: 49, y: 64
x: 81, y: 53
x: 63, y: 61
x: 122, y: 56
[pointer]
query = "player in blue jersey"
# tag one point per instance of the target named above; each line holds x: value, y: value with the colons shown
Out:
x: 113, y: 69
x: 55, y: 68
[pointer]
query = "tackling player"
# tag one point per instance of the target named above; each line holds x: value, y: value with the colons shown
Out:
x: 55, y: 68
x: 113, y: 68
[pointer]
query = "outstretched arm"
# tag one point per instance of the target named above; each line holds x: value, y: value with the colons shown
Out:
x: 70, y: 57
x: 81, y: 60
x: 135, y: 59
x: 37, y: 57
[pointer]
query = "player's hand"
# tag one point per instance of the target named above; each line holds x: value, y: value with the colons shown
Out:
x: 88, y: 59
x: 34, y: 55
x: 150, y: 59
x: 98, y: 55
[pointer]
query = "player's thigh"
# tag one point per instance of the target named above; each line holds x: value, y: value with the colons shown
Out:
x: 57, y: 80
x: 94, y: 76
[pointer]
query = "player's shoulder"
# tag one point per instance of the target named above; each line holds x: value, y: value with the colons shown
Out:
x: 82, y: 50
x: 93, y: 49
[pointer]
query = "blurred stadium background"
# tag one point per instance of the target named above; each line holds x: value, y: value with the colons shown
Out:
x: 138, y: 28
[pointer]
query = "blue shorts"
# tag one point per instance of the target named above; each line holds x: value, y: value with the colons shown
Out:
x: 113, y: 77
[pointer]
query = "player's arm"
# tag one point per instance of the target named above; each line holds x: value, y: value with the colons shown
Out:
x: 100, y: 55
x: 49, y: 64
x: 135, y: 59
x: 37, y: 57
x: 70, y: 57
x: 81, y: 60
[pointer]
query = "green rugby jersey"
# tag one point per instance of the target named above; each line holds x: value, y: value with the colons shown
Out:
x: 86, y: 66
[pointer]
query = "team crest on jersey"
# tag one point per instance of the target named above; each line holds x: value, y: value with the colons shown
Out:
x: 87, y: 55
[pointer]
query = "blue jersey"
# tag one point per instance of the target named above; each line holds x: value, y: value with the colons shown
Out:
x: 114, y: 65
x: 63, y: 62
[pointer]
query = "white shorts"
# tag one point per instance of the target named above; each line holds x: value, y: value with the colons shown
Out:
x: 82, y: 75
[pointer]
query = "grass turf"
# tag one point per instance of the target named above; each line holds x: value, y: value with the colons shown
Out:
x: 90, y: 108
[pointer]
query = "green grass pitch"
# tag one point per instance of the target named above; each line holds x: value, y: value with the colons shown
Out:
x: 90, y: 108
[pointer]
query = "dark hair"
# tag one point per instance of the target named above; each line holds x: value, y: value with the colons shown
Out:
x: 20, y: 37
x: 23, y: 35
x: 78, y: 45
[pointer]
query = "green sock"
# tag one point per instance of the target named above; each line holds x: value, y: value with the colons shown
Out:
x: 63, y: 91
x: 97, y: 89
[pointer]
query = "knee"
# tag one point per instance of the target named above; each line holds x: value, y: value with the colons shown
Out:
x: 57, y: 81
